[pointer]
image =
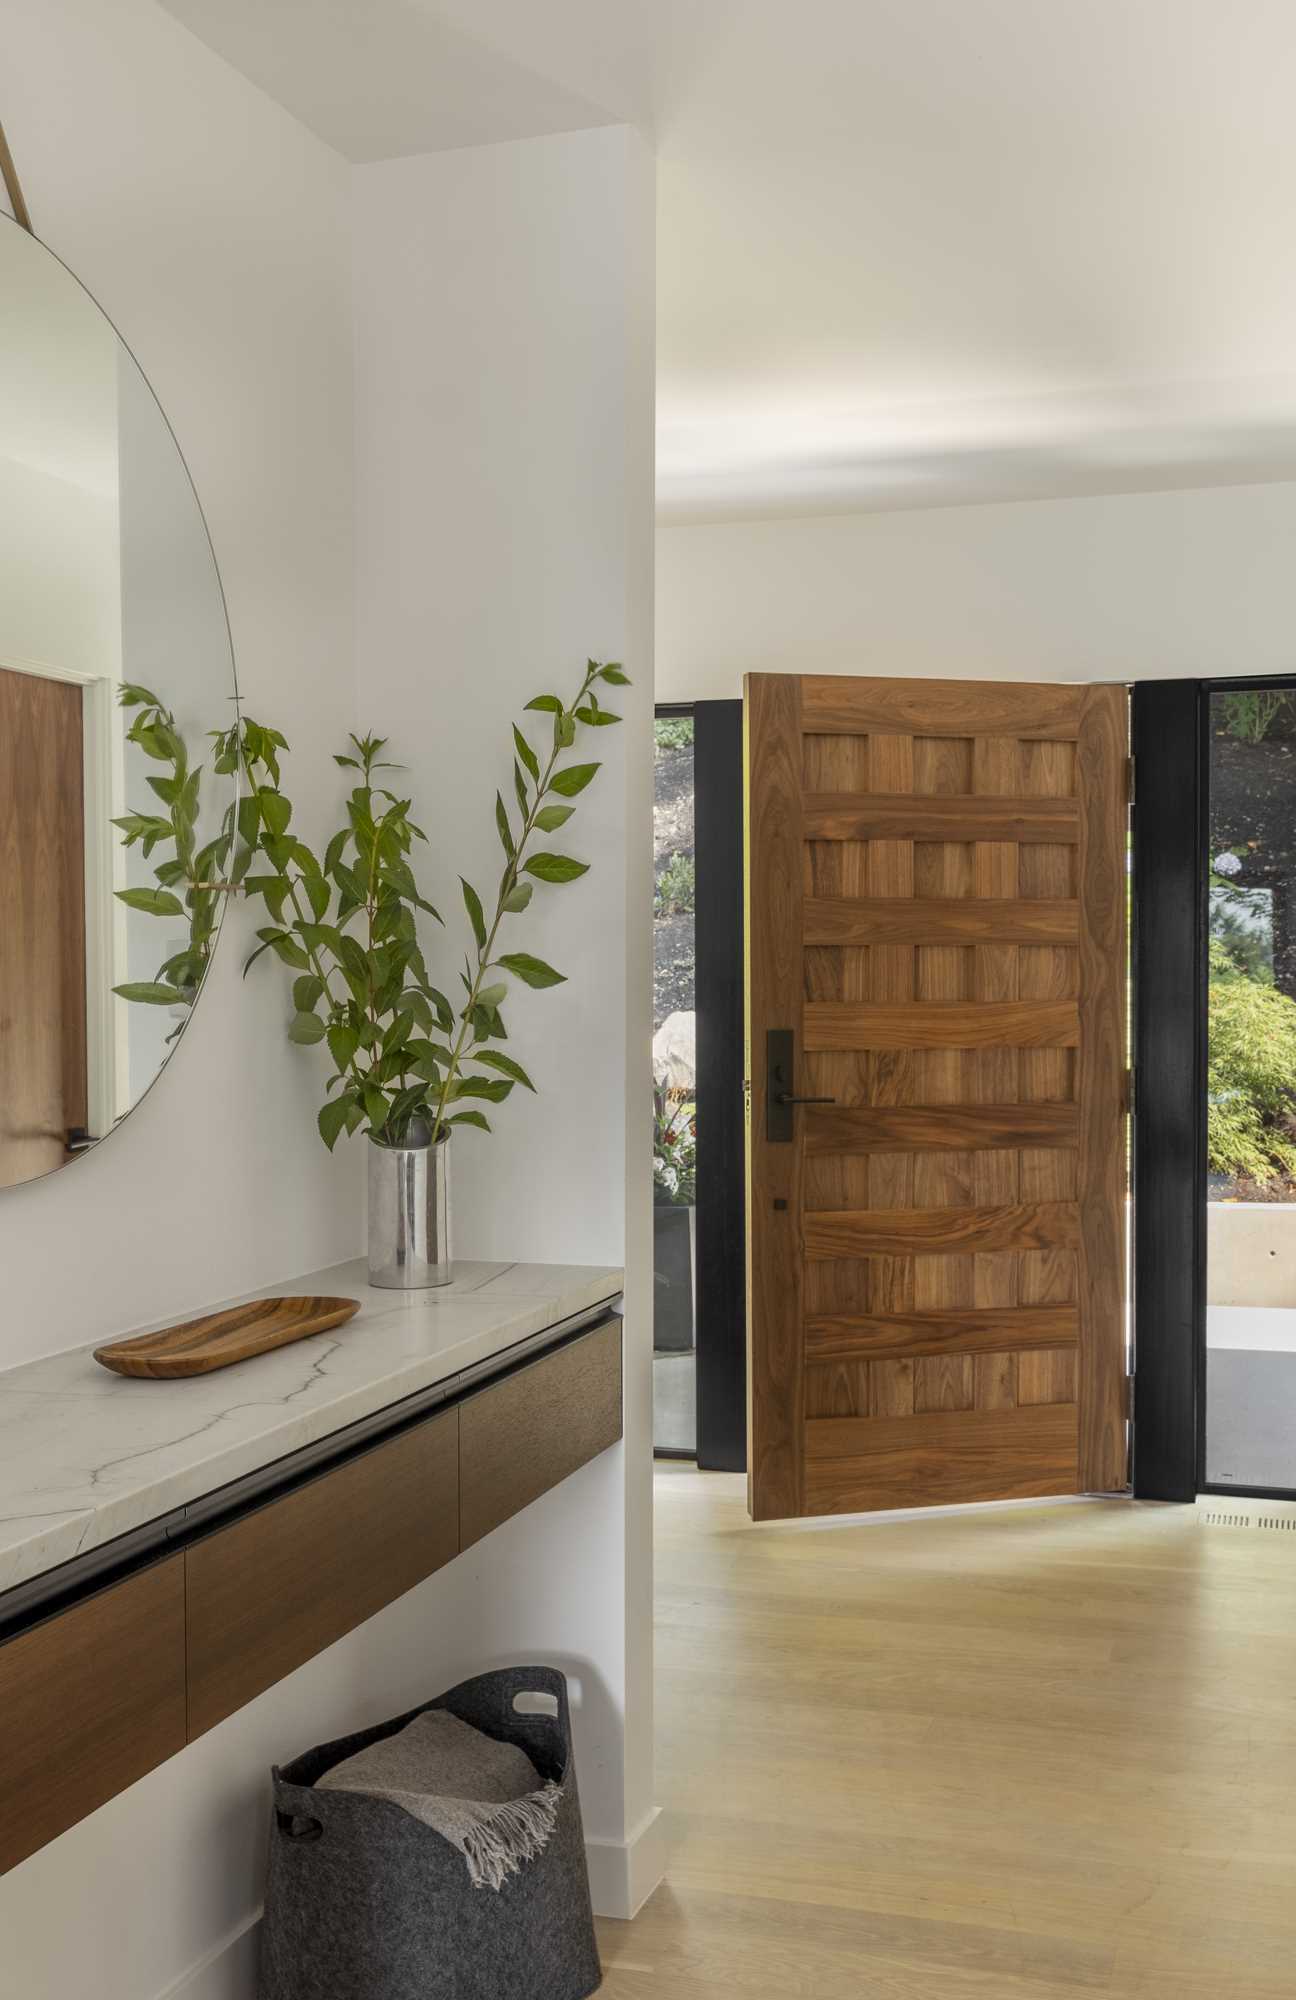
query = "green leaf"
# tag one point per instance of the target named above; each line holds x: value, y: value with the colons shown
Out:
x: 556, y: 868
x: 477, y: 1118
x: 527, y: 754
x: 377, y: 1106
x: 481, y: 1086
x: 306, y: 1029
x: 549, y: 702
x: 565, y: 732
x: 131, y: 695
x: 550, y: 818
x: 151, y: 991
x: 332, y: 1120
x: 596, y: 718
x: 472, y: 902
x: 533, y: 970
x: 343, y: 1042
x: 398, y: 1031
x: 286, y: 947
x: 505, y: 1064
x: 573, y: 780
x: 615, y: 675
x: 275, y: 810
x: 491, y: 996
x: 334, y: 851
x: 306, y: 992
x: 518, y: 897
x: 519, y: 787
x: 505, y: 830
x: 154, y: 902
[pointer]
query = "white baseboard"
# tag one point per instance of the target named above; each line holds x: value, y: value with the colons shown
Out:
x: 624, y: 1873
x: 229, y: 1972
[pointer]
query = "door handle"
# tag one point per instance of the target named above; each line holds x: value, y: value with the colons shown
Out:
x: 780, y: 1077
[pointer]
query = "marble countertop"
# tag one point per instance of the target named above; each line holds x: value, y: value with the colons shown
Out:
x: 86, y: 1455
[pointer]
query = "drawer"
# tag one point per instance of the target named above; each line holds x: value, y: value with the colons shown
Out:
x: 271, y: 1590
x: 522, y: 1435
x: 89, y: 1701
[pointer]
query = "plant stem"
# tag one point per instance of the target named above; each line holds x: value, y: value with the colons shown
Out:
x: 507, y: 882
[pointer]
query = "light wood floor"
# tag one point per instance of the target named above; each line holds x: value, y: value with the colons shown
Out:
x: 1032, y: 1755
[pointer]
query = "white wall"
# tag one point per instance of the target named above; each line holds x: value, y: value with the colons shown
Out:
x: 59, y: 595
x: 1128, y: 587
x: 504, y: 482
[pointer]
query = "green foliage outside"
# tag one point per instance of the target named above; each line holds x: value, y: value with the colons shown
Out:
x: 1251, y: 713
x: 674, y: 1151
x: 1250, y: 1072
x: 673, y: 732
x: 676, y: 887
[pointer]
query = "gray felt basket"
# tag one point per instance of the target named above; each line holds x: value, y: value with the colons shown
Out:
x: 364, y: 1902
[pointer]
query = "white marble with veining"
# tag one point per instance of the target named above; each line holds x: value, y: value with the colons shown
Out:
x: 86, y: 1455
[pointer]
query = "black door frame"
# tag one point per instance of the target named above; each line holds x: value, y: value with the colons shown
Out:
x: 1171, y: 746
x: 720, y: 1209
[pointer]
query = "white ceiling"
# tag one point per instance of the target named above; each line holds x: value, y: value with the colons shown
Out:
x: 911, y: 252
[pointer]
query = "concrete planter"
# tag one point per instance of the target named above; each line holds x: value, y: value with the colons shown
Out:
x: 1251, y: 1253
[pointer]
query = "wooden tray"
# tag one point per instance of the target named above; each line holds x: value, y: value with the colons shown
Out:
x: 200, y: 1345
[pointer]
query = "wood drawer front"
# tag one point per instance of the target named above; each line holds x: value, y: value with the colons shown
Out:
x: 521, y: 1436
x: 89, y: 1701
x: 272, y: 1590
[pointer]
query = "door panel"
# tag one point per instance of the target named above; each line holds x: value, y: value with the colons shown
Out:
x: 936, y: 909
x: 42, y: 924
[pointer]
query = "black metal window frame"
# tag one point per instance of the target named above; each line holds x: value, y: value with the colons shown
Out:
x: 1171, y: 746
x: 720, y: 1218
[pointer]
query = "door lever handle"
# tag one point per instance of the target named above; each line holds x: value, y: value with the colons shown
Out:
x: 790, y: 1097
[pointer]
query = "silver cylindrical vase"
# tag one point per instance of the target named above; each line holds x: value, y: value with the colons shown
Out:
x: 409, y: 1215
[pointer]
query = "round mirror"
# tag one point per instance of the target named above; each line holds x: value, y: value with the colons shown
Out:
x: 115, y: 667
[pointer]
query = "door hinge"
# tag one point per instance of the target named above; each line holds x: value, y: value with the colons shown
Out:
x: 1130, y: 1088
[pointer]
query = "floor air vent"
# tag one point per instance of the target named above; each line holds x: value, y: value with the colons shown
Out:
x: 1272, y: 1516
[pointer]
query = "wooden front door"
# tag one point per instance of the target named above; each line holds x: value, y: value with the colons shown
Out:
x: 42, y: 924
x: 936, y: 884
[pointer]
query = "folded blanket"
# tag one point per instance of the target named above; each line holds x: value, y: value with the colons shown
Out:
x: 485, y: 1797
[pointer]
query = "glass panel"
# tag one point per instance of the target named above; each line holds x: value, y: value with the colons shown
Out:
x: 1251, y: 1086
x: 674, y: 1075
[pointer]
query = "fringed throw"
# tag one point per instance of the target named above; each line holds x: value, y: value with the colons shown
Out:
x: 485, y: 1797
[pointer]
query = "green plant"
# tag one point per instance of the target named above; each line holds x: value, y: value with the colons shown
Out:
x: 1251, y: 1072
x: 673, y: 732
x: 199, y: 874
x: 676, y: 887
x: 406, y: 1064
x: 674, y: 1151
x: 1251, y: 713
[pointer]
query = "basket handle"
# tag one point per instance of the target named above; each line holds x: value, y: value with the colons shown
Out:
x: 298, y: 1826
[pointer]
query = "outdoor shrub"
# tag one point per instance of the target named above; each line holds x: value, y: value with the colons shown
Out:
x: 1250, y: 1073
x: 676, y: 886
x: 1250, y: 714
x: 673, y: 732
x: 674, y: 1151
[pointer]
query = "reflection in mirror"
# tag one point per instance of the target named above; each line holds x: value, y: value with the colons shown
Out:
x: 108, y: 589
